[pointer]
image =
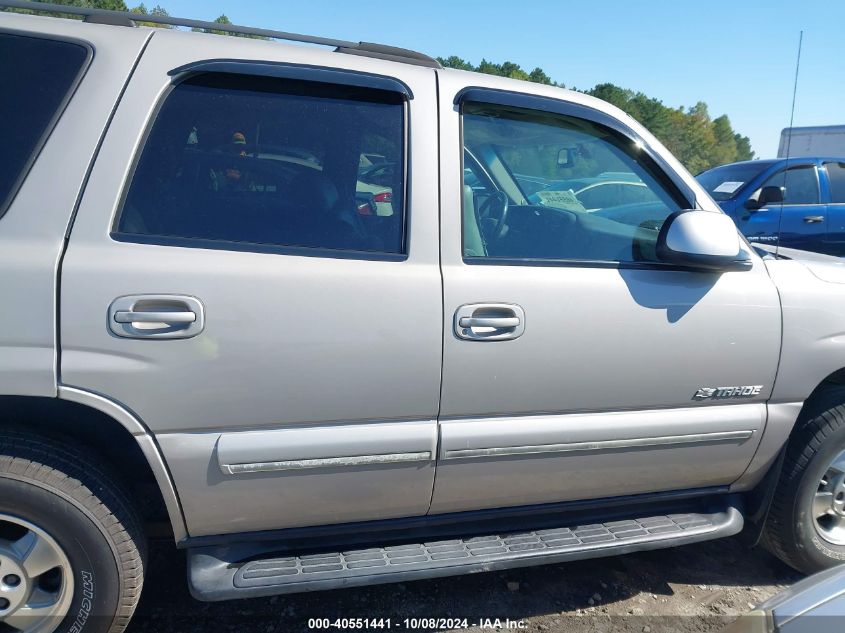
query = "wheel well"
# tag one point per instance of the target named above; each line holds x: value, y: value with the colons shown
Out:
x: 100, y: 434
x: 837, y: 377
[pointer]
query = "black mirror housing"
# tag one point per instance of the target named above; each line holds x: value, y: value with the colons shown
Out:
x: 770, y: 195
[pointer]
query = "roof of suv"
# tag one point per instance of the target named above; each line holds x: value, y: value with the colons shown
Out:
x: 128, y: 19
x: 112, y: 19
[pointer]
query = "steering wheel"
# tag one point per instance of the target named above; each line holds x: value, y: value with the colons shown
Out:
x: 493, y: 212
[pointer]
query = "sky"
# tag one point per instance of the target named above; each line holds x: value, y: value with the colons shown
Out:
x: 738, y: 57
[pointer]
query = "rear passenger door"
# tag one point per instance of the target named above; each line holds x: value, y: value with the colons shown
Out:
x: 229, y: 282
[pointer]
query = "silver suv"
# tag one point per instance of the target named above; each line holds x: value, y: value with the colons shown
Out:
x: 336, y: 317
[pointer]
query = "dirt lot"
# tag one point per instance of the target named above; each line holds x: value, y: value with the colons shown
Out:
x: 694, y: 588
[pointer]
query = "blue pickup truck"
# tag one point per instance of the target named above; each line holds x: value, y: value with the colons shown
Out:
x: 800, y: 205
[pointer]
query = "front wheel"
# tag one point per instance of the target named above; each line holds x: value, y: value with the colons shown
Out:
x: 71, y: 544
x: 806, y: 523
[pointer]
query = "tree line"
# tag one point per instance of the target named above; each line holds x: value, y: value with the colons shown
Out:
x: 696, y: 139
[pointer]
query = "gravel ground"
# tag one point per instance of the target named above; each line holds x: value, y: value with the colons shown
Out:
x: 699, y: 587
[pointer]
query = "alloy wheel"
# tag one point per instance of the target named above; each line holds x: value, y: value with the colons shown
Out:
x: 36, y: 580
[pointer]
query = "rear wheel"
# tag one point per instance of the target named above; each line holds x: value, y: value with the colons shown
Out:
x: 71, y: 544
x: 806, y: 523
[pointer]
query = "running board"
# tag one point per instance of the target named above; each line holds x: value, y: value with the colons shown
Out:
x: 212, y: 576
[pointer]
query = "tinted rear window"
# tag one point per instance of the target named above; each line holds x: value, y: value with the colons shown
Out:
x: 234, y: 160
x: 37, y: 76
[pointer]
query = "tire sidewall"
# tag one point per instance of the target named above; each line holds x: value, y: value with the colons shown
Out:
x: 95, y: 571
x: 818, y: 552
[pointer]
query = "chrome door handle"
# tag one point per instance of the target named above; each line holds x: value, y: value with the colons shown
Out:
x: 489, y: 321
x: 494, y: 322
x: 156, y: 316
x: 809, y: 219
x: 127, y: 316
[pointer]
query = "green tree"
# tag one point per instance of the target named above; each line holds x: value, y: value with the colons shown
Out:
x: 726, y: 149
x: 699, y: 139
x: 743, y: 147
x: 514, y: 71
x: 221, y: 19
x: 505, y: 69
x: 455, y: 62
x: 111, y: 5
x: 489, y: 68
x: 156, y: 10
x: 696, y: 140
x: 539, y: 77
x: 224, y: 19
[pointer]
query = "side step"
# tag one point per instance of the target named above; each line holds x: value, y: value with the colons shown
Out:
x: 213, y: 577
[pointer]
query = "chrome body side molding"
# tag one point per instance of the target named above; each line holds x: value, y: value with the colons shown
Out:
x: 691, y: 438
x: 326, y: 462
x: 502, y: 461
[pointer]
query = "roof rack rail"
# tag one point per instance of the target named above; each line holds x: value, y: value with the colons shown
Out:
x: 126, y: 18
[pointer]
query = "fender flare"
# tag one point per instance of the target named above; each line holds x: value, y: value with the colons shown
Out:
x: 148, y: 446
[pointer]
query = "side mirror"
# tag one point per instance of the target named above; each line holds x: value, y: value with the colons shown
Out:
x: 565, y: 158
x: 768, y: 195
x: 701, y: 239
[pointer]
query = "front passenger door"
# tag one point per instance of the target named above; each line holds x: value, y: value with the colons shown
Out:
x: 572, y: 356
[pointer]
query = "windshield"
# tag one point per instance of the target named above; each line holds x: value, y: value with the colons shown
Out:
x: 724, y: 183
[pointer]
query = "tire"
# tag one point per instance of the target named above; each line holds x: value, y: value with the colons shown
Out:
x: 53, y: 491
x: 792, y: 532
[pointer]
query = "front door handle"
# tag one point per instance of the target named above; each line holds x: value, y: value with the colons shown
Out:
x: 494, y: 322
x: 156, y: 316
x: 489, y: 321
x: 810, y: 219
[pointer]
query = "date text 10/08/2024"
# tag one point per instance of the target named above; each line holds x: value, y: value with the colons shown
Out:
x: 443, y: 624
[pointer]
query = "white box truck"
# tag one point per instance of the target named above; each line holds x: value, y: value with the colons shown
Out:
x: 817, y: 140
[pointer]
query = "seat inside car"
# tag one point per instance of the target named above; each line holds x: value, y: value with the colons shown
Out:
x: 473, y: 244
x: 317, y: 216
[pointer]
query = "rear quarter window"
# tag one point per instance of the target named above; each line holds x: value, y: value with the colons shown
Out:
x: 38, y: 77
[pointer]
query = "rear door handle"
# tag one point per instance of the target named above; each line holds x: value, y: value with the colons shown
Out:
x: 126, y: 316
x: 156, y: 316
x: 810, y: 219
x: 489, y: 321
